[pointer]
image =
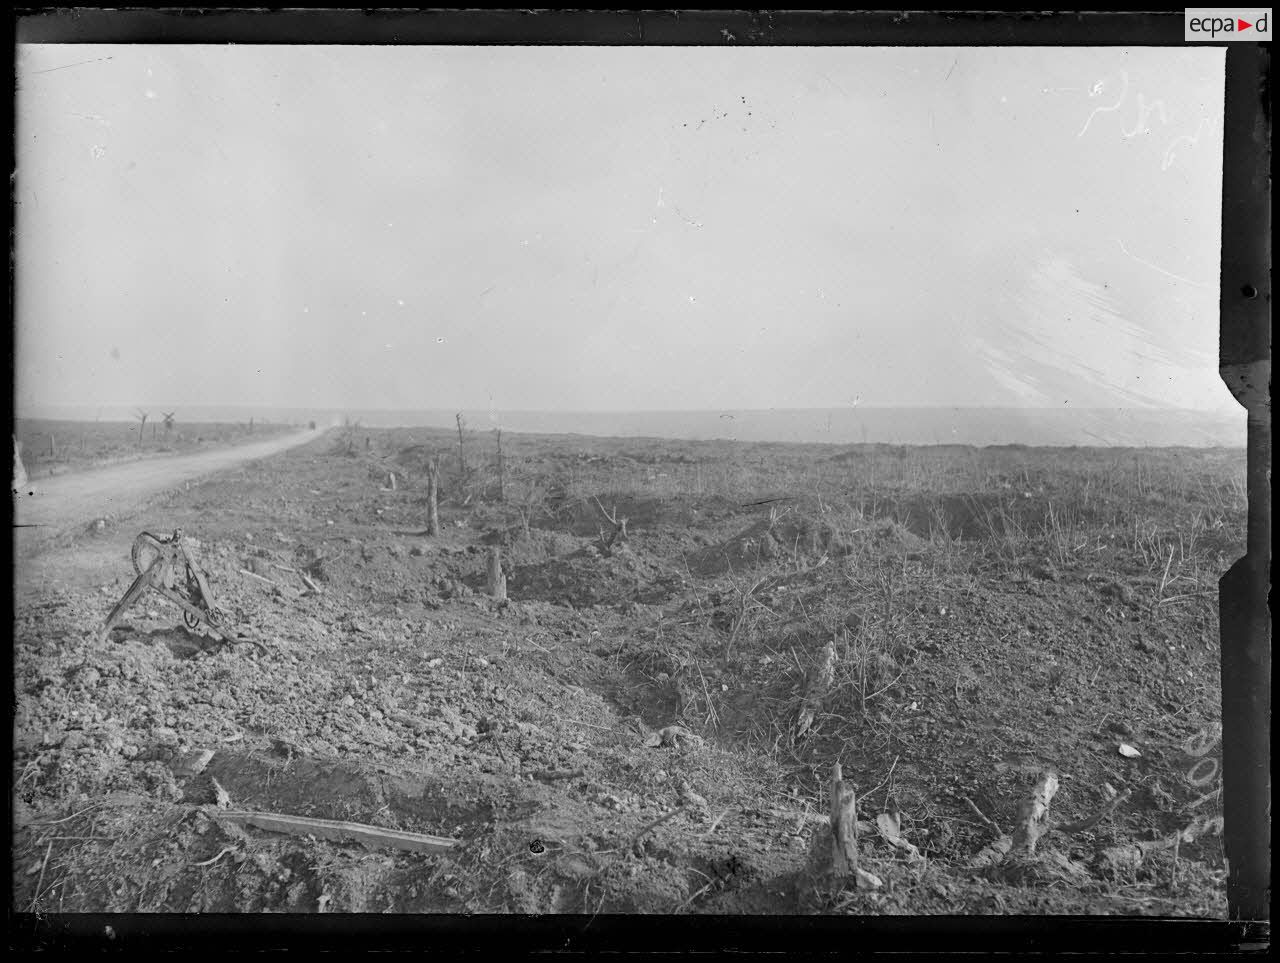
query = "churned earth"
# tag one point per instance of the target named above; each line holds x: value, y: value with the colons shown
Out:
x: 646, y: 723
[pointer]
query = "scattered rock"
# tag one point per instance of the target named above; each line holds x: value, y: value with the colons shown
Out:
x: 74, y: 740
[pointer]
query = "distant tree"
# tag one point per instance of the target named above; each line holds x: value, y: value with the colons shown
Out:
x: 462, y: 462
x: 346, y: 442
x: 142, y: 417
x: 502, y: 492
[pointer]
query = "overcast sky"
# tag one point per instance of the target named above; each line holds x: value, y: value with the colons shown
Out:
x: 618, y: 228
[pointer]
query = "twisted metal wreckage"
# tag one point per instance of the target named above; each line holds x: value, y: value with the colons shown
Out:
x: 168, y: 567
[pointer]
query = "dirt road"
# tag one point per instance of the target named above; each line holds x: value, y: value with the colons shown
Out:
x: 51, y: 507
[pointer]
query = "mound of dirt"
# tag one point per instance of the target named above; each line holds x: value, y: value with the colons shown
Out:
x: 791, y: 537
x: 587, y: 577
x: 891, y: 534
x: 583, y: 517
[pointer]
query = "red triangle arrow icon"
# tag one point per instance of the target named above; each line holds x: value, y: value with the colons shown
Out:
x: 1243, y: 24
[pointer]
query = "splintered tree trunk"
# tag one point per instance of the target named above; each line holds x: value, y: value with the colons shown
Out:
x: 141, y: 430
x: 251, y: 426
x: 497, y: 580
x: 433, y: 486
x: 1032, y: 813
x: 844, y: 827
x: 819, y: 683
x: 53, y: 447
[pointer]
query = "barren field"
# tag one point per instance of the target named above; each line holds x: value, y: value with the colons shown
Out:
x: 647, y: 723
x: 55, y: 447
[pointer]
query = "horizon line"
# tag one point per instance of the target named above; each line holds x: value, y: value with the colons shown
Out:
x: 645, y: 411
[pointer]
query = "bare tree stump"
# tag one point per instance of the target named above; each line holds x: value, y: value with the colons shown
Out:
x: 819, y: 683
x: 844, y: 827
x: 1008, y: 856
x: 1032, y: 814
x: 619, y: 533
x: 433, y: 487
x: 497, y: 579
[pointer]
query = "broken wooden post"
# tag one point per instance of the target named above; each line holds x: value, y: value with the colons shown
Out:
x: 844, y: 827
x: 141, y: 416
x: 1032, y: 813
x: 433, y: 486
x: 497, y: 580
x: 53, y: 447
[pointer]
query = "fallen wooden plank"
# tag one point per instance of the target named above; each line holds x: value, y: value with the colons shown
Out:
x: 333, y: 829
x: 245, y: 571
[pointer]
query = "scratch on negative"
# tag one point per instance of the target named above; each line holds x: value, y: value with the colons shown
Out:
x: 1124, y: 89
x: 1191, y: 140
x: 1170, y: 274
